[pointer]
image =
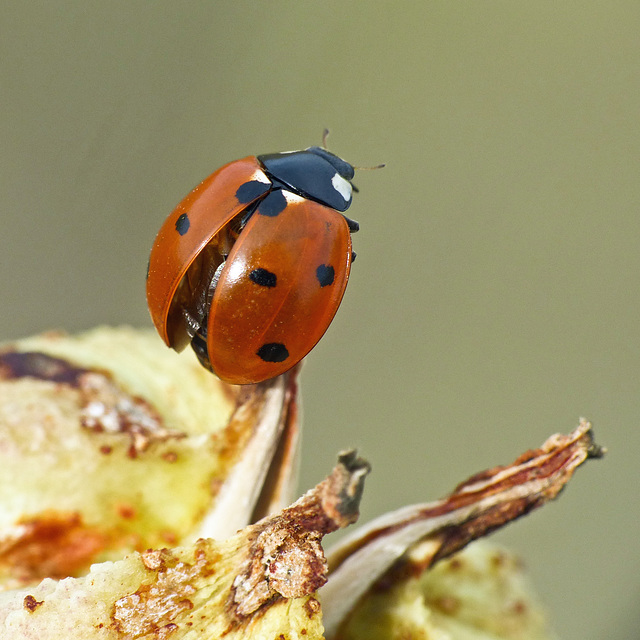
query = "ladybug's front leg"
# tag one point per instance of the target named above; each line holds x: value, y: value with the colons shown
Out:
x: 199, y: 346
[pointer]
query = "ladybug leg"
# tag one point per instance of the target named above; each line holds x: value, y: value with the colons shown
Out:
x: 194, y: 314
x: 211, y: 289
x: 196, y: 319
x: 353, y: 225
x: 202, y: 290
x: 199, y: 346
x: 192, y: 323
x: 203, y: 279
x: 197, y: 327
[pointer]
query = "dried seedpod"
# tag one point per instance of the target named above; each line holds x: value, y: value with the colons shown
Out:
x: 109, y: 442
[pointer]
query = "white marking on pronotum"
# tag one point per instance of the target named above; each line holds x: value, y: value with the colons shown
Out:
x: 342, y: 186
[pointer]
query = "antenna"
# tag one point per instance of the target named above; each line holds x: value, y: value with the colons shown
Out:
x: 325, y: 135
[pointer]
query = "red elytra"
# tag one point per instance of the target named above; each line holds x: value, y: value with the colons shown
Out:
x: 250, y: 268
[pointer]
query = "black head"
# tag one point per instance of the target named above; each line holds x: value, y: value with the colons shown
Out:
x: 340, y: 165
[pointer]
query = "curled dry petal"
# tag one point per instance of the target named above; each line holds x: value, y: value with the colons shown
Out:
x: 484, y: 502
x: 257, y: 584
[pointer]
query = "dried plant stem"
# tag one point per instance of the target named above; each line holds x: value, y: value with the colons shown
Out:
x: 285, y: 557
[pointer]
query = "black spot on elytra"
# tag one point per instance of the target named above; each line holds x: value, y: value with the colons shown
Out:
x: 273, y: 352
x: 263, y: 277
x: 251, y: 190
x: 182, y: 224
x: 353, y: 256
x: 325, y: 274
x: 273, y: 204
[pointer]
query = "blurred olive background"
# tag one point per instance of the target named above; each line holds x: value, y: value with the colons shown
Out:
x: 495, y: 295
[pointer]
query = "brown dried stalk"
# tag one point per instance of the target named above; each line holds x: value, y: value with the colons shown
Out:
x: 285, y: 557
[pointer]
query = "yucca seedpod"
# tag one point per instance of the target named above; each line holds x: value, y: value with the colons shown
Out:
x: 114, y: 448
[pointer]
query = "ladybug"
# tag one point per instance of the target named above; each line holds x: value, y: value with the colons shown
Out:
x: 250, y: 268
